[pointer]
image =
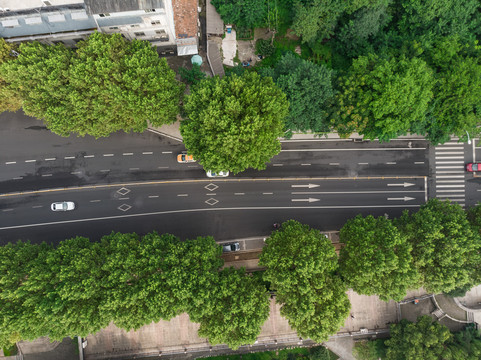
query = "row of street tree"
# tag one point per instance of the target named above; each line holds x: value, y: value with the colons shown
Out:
x: 80, y: 286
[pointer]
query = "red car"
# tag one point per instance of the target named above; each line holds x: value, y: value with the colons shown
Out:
x: 473, y: 167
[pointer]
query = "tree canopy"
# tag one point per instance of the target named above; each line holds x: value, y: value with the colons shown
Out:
x: 243, y: 13
x: 384, y: 98
x: 233, y: 123
x: 309, y: 91
x: 107, y: 84
x: 423, y: 339
x: 446, y: 250
x: 10, y: 100
x: 301, y: 266
x: 376, y: 259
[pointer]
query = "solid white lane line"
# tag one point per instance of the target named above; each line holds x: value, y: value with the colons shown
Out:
x: 5, y: 210
x: 128, y: 154
x: 277, y: 164
x: 354, y: 149
x: 37, y: 206
x: 305, y: 164
x: 353, y: 192
x: 89, y: 156
x: 387, y: 206
x: 28, y: 161
x: 10, y: 162
x: 391, y: 163
x: 18, y: 178
x: 108, y: 155
x: 69, y: 157
x: 182, y: 194
x: 75, y: 172
x: 363, y: 163
x: 166, y: 152
x: 267, y: 193
x: 50, y: 159
x: 153, y: 196
x: 94, y: 201
x: 133, y: 169
x: 333, y: 163
x: 45, y: 175
x: 419, y: 162
x: 147, y: 153
x: 239, y: 193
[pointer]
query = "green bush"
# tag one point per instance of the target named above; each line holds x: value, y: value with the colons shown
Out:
x: 264, y: 47
x: 369, y: 349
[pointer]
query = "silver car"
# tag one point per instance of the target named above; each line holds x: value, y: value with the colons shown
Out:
x: 230, y: 247
x: 63, y: 206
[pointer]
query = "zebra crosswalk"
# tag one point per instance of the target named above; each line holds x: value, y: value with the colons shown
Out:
x: 450, y: 173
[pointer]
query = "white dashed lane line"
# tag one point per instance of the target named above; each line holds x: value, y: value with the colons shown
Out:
x: 391, y: 163
x: 166, y: 152
x: 108, y: 155
x: 106, y: 170
x: 94, y: 201
x: 277, y: 164
x: 10, y: 162
x: 147, y: 153
x: 50, y: 159
x: 239, y: 193
x: 18, y: 178
x: 124, y: 198
x: 363, y: 163
x: 29, y: 161
x: 69, y: 157
x: 182, y: 194
x: 128, y: 154
x: 45, y: 175
x: 267, y: 193
x: 418, y: 162
x: 89, y: 156
x: 76, y: 172
x: 211, y: 194
x: 333, y: 163
x: 133, y: 169
x: 305, y: 164
x: 163, y: 167
x: 5, y: 210
x: 37, y: 206
x: 153, y: 196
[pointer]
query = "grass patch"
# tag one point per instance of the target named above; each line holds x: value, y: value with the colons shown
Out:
x: 244, y: 34
x: 369, y: 349
x: 315, y: 353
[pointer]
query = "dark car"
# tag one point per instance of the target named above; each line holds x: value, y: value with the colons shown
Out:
x: 230, y: 247
x: 472, y: 167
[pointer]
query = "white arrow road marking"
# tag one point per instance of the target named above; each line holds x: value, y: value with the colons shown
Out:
x: 406, y: 184
x: 310, y: 186
x: 306, y: 200
x: 402, y: 199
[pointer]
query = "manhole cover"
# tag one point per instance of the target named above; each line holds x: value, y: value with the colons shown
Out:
x: 123, y: 191
x: 212, y: 201
x: 211, y: 187
x: 124, y: 207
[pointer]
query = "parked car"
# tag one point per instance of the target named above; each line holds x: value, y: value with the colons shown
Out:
x: 230, y: 247
x: 184, y: 158
x: 473, y: 167
x: 212, y: 174
x: 63, y: 206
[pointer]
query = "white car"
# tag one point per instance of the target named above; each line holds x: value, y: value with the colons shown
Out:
x: 63, y: 206
x: 212, y: 174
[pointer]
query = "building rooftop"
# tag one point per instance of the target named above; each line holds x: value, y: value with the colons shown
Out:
x: 185, y: 18
x: 113, y: 6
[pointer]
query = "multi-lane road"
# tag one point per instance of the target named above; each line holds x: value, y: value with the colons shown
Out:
x: 132, y: 182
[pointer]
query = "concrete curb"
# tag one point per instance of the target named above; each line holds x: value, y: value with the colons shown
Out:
x: 465, y: 308
x: 165, y: 134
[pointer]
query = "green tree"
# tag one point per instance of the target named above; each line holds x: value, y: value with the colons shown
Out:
x: 369, y: 349
x: 445, y: 247
x: 384, y: 98
x: 316, y: 19
x: 474, y: 217
x: 108, y: 84
x: 424, y: 339
x: 457, y: 90
x: 465, y: 344
x: 376, y: 258
x: 236, y: 311
x: 10, y: 99
x: 309, y: 91
x: 301, y: 265
x: 243, y: 13
x: 234, y: 122
x: 192, y: 76
x: 433, y: 19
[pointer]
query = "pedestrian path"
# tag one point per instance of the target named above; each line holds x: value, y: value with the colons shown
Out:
x: 449, y: 172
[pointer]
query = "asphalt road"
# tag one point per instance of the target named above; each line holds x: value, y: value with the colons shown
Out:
x: 226, y: 209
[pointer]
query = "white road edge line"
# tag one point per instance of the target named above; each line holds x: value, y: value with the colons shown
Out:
x: 353, y: 192
x: 387, y: 206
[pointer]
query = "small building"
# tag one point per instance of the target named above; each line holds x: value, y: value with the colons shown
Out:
x: 170, y: 25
